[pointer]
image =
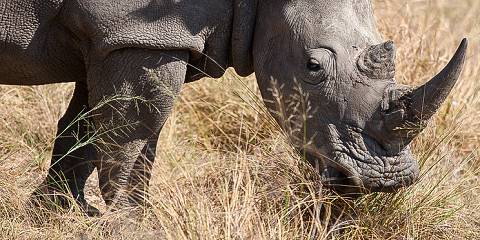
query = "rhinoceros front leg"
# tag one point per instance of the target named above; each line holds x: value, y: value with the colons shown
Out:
x: 133, y: 91
x: 71, y: 162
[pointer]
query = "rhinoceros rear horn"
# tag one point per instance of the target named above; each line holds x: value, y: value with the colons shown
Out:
x: 426, y: 99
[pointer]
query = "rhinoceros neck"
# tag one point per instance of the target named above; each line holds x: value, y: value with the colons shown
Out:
x: 235, y: 29
x: 244, y: 16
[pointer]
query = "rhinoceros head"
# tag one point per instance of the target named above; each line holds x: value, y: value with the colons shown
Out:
x: 329, y: 80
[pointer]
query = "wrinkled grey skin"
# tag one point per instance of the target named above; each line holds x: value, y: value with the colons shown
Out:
x: 356, y: 133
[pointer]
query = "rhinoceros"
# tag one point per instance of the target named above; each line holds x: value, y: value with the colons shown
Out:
x: 357, y: 135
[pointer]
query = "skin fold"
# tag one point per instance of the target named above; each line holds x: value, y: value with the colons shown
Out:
x: 324, y: 59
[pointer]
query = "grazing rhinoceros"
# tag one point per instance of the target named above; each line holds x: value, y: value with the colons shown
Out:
x: 358, y: 134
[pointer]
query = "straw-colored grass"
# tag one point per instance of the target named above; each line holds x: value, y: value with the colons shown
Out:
x: 223, y: 171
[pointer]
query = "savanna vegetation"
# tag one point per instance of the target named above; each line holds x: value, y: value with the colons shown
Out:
x: 225, y: 171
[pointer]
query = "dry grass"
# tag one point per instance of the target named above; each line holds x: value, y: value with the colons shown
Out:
x: 224, y: 171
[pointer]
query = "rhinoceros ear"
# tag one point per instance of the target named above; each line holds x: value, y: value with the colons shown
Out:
x: 244, y: 15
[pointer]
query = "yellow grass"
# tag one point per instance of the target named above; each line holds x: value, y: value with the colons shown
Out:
x: 223, y: 171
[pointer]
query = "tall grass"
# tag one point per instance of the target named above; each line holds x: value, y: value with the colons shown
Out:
x: 224, y: 171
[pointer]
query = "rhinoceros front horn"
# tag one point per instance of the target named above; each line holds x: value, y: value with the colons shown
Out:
x: 426, y: 99
x: 410, y: 110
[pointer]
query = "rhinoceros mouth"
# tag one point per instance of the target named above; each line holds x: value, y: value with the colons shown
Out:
x: 353, y: 162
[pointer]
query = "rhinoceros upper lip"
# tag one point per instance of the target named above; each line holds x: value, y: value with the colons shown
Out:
x: 345, y: 154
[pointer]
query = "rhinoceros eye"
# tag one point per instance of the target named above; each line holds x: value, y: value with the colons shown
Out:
x: 314, y: 65
x: 320, y: 66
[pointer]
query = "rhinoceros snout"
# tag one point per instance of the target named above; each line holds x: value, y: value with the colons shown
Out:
x: 355, y: 163
x: 355, y: 183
